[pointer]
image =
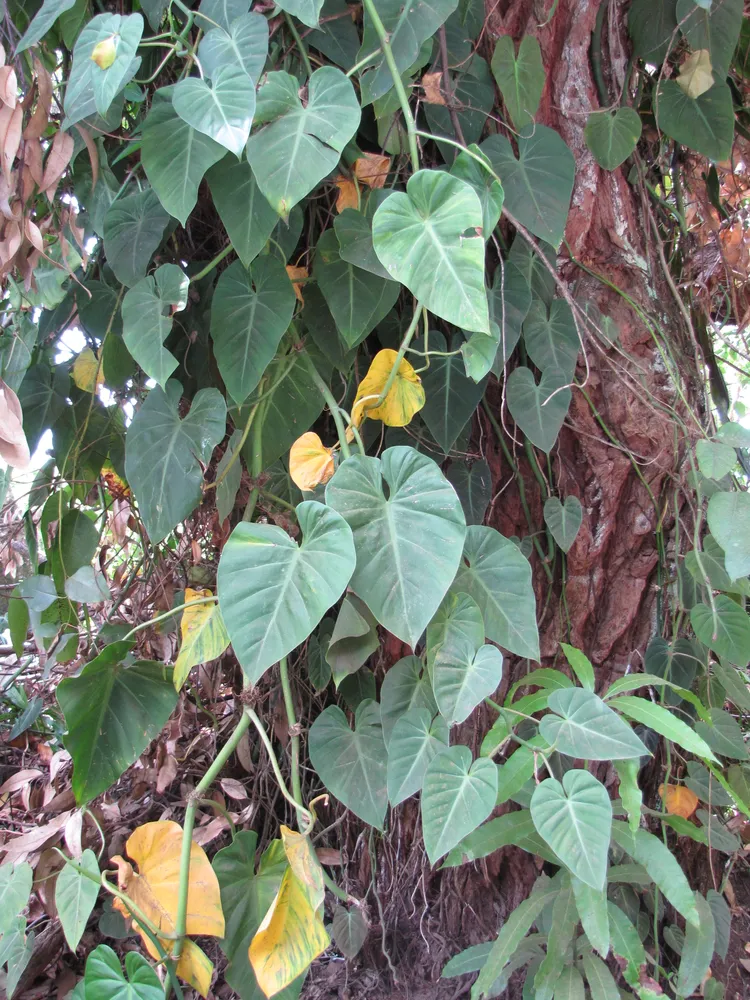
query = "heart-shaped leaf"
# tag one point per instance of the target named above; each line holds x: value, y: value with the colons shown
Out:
x: 520, y: 78
x: 163, y: 454
x: 715, y: 459
x: 406, y: 687
x: 575, y: 819
x: 222, y: 110
x: 563, y: 519
x: 296, y: 145
x: 415, y: 741
x: 352, y: 765
x: 75, y: 897
x: 105, y: 980
x: 456, y: 623
x: 273, y: 592
x: 551, y: 337
x: 147, y: 310
x: 408, y: 544
x: 489, y: 191
x: 350, y: 930
x: 538, y: 184
x: 713, y: 27
x: 539, y: 410
x: 221, y: 12
x: 353, y: 639
x: 133, y: 229
x: 354, y: 232
x: 404, y: 398
x: 244, y: 43
x: 498, y: 576
x: 586, y: 727
x: 473, y: 483
x: 653, y: 28
x: 456, y: 797
x: 92, y: 87
x: 729, y: 523
x: 203, y: 635
x: 450, y: 397
x: 725, y: 628
x: 247, y: 217
x: 462, y: 679
x: 15, y: 884
x: 612, y: 136
x: 250, y: 311
x: 307, y: 11
x: 112, y: 712
x: 509, y: 300
x: 429, y: 239
x: 705, y: 124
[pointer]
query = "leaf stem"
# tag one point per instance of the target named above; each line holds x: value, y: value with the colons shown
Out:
x: 286, y: 687
x: 330, y: 402
x: 398, y: 83
x: 168, y: 614
x: 307, y: 818
x: 210, y: 266
x: 187, y: 830
x: 299, y: 43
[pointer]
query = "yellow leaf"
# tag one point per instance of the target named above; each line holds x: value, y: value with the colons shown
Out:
x: 372, y: 169
x: 195, y: 967
x: 304, y: 863
x: 696, y: 74
x: 405, y: 396
x: 297, y: 275
x: 154, y: 888
x: 104, y: 52
x: 204, y: 636
x: 310, y: 462
x: 348, y: 196
x: 88, y: 372
x: 291, y: 936
x: 678, y: 800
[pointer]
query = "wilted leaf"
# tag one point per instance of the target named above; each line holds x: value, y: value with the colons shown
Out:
x: 13, y: 446
x: 203, y: 635
x: 696, y: 74
x: 297, y: 275
x: 347, y: 196
x: 310, y: 462
x: 431, y: 86
x: 679, y: 800
x: 405, y: 396
x: 372, y: 169
x: 88, y: 372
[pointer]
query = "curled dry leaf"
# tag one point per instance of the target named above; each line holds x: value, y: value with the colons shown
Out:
x: 678, y: 800
x: 57, y: 162
x: 348, y: 196
x: 431, y: 86
x: 297, y: 275
x: 405, y: 396
x: 310, y: 462
x: 154, y: 888
x: 8, y: 86
x: 372, y: 169
x: 13, y: 446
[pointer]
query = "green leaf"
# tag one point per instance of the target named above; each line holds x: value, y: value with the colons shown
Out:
x: 630, y: 792
x: 727, y: 632
x: 408, y: 544
x: 456, y: 625
x: 513, y: 828
x: 354, y: 233
x: 490, y: 192
x: 562, y: 927
x: 76, y: 543
x: 626, y: 943
x: 664, y: 722
x: 661, y: 864
x: 42, y: 21
x: 358, y: 299
x: 15, y: 888
x: 175, y: 157
x: 563, y: 519
x: 357, y: 688
x: 451, y: 397
x: 112, y: 712
x: 612, y: 136
x: 539, y: 410
x: 456, y: 797
x: 414, y: 742
x: 586, y: 727
x: 408, y: 27
x: 104, y: 978
x: 318, y: 667
x: 715, y: 460
x: 724, y: 735
x: 429, y: 238
x: 206, y: 639
x: 734, y: 434
x: 43, y: 397
x: 75, y: 898
x: 473, y: 484
x: 569, y: 985
x: 91, y: 88
x: 250, y: 312
x: 580, y: 664
x: 295, y: 146
x: 538, y: 185
x: 712, y: 566
x: 509, y: 300
x: 699, y: 781
x: 273, y: 592
x: 722, y: 921
x: 653, y: 28
x: 698, y: 950
x: 307, y: 11
x: 600, y: 980
x: 352, y: 765
x: 133, y: 229
x: 147, y: 310
x: 575, y: 818
x: 473, y: 99
x: 222, y: 12
x: 353, y: 639
x: 405, y: 687
x: 337, y: 37
x: 226, y: 491
x: 714, y: 26
x: 163, y: 454
x: 243, y: 43
x: 462, y: 678
x: 735, y: 685
x: 729, y: 522
x: 551, y: 337
x: 520, y: 78
x: 495, y: 573
x: 512, y: 932
x: 223, y: 110
x: 350, y: 929
x: 705, y: 124
x: 16, y: 949
x: 592, y: 909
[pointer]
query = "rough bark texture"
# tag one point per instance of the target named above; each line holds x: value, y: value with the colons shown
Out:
x: 607, y: 604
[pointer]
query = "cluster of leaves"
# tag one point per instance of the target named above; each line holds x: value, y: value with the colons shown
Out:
x: 184, y: 356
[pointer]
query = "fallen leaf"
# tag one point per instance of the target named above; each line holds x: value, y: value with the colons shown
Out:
x: 155, y: 848
x: 57, y: 161
x: 88, y: 372
x: 405, y: 396
x: 234, y: 789
x: 20, y: 779
x: 328, y: 856
x: 348, y: 196
x: 372, y: 169
x: 310, y: 462
x: 679, y: 800
x: 297, y: 275
x: 204, y: 636
x: 14, y: 448
x: 38, y: 837
x: 431, y: 86
x: 696, y: 74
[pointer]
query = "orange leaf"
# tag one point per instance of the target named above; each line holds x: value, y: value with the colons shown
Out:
x: 431, y: 86
x: 310, y: 462
x: 372, y: 169
x: 678, y: 800
x: 296, y: 276
x: 348, y: 197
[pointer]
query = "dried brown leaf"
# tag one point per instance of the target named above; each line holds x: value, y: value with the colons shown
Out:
x: 58, y: 159
x: 13, y: 446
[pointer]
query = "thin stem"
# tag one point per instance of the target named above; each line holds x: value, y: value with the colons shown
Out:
x: 330, y: 402
x: 187, y: 830
x: 236, y: 453
x: 168, y: 614
x: 363, y: 62
x: 337, y: 890
x: 299, y: 43
x: 308, y: 820
x: 385, y: 45
x: 209, y: 267
x: 286, y: 687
